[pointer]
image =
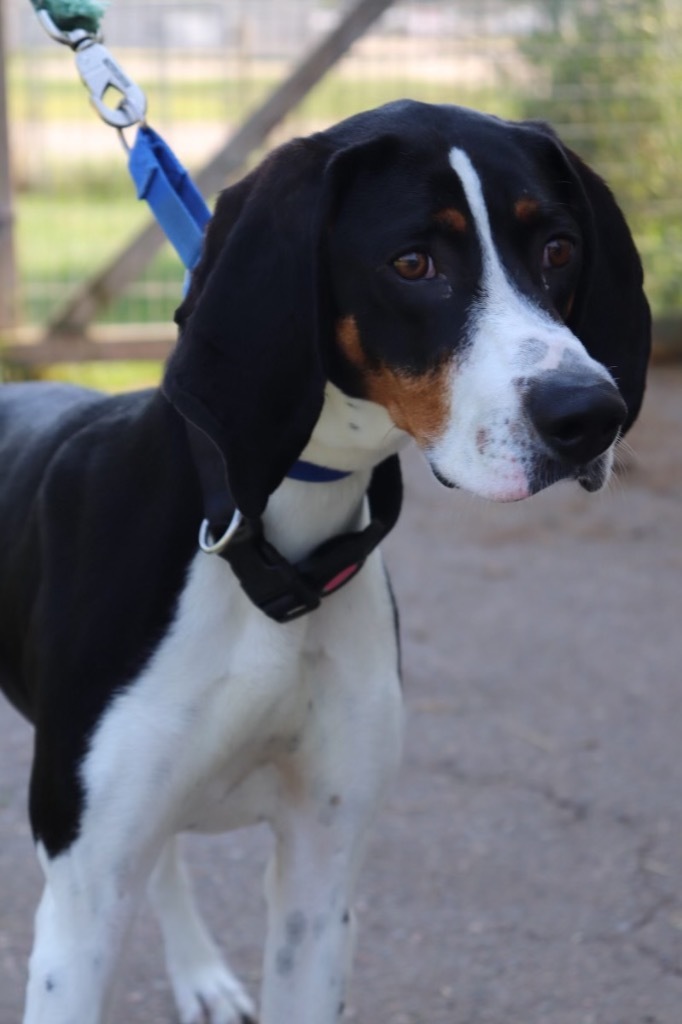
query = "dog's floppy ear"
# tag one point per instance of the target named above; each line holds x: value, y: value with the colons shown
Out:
x: 248, y: 368
x: 610, y: 312
x: 612, y: 317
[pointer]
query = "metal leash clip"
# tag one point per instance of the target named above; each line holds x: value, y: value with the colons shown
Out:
x: 100, y: 73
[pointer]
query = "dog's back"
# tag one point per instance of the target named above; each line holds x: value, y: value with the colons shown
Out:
x: 35, y: 421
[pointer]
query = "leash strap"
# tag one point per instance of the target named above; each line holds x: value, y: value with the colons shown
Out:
x: 281, y: 589
x: 174, y: 199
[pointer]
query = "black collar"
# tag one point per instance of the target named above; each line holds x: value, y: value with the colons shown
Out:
x: 281, y: 589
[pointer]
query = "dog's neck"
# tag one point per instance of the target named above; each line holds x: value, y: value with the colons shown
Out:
x: 351, y: 434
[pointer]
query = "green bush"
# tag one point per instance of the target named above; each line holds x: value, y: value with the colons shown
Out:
x: 609, y: 79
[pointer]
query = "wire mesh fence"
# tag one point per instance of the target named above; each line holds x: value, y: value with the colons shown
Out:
x: 606, y: 73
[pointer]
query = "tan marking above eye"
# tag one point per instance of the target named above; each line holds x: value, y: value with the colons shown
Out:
x: 527, y: 209
x: 418, y: 403
x: 452, y: 218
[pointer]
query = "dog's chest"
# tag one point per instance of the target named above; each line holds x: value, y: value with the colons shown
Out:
x: 209, y: 734
x: 253, y: 739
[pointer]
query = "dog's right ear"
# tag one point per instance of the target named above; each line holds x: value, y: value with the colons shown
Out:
x: 248, y: 368
x: 227, y: 210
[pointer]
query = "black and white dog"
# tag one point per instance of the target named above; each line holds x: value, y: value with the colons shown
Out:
x: 416, y: 271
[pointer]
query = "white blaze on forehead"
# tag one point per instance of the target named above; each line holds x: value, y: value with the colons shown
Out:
x: 497, y: 287
x: 471, y: 183
x: 514, y: 317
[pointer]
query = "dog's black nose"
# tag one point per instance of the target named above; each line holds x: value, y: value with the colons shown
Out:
x: 577, y: 418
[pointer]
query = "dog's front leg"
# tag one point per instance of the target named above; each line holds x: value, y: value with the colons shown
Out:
x: 80, y: 927
x: 204, y: 987
x: 331, y: 790
x: 309, y: 888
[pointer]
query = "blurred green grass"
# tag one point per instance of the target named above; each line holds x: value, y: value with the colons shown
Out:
x: 107, y: 376
x: 46, y: 90
x: 53, y: 261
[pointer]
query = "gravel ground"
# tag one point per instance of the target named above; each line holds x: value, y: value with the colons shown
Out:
x: 528, y: 866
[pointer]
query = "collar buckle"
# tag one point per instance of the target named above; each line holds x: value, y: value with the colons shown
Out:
x: 272, y: 583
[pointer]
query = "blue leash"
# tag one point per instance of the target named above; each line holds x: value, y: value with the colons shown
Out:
x: 174, y: 199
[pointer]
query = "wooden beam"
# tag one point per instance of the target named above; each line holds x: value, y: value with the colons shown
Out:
x: 28, y: 346
x: 127, y: 265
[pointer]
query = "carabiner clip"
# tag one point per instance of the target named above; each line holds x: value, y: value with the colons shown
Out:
x: 100, y: 73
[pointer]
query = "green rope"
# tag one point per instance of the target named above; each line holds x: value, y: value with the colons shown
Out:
x: 70, y: 14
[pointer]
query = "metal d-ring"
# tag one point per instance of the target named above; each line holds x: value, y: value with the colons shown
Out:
x: 211, y: 547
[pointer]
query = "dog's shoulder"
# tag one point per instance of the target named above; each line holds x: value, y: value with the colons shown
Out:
x: 100, y: 497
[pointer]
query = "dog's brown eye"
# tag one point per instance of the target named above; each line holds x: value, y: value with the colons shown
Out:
x: 414, y: 266
x: 557, y: 254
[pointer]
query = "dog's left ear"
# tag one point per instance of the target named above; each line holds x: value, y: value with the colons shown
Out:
x: 613, y: 319
x: 248, y: 368
x: 610, y: 314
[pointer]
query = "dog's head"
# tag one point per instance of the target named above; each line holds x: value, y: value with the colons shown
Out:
x: 470, y: 275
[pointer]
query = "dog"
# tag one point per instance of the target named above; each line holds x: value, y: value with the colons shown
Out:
x: 194, y: 611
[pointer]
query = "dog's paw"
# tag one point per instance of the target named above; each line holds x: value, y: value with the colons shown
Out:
x: 212, y: 995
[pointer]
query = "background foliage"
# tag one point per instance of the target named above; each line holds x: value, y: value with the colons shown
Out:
x: 610, y: 80
x: 606, y: 73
